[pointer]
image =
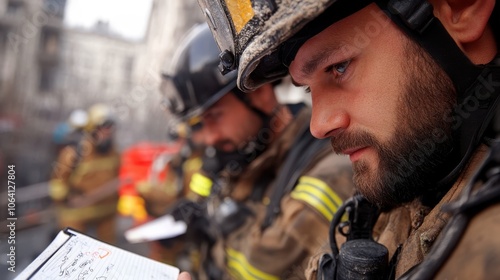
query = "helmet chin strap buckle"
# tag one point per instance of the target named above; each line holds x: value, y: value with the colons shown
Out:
x: 417, y: 15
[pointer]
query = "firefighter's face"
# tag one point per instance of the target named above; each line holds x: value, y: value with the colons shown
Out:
x: 381, y: 100
x: 103, y: 133
x: 229, y: 124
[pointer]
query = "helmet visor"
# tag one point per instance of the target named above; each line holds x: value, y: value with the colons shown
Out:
x: 172, y: 99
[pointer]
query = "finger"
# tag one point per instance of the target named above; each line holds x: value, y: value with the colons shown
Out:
x: 184, y: 276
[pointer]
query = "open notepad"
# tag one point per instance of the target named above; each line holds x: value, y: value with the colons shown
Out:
x: 73, y: 255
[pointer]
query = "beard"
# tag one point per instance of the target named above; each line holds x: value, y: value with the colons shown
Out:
x: 104, y: 146
x: 411, y: 162
x: 234, y: 161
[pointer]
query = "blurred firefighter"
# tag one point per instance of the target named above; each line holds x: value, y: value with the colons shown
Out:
x: 84, y: 180
x: 270, y: 188
x: 160, y: 193
x: 70, y: 131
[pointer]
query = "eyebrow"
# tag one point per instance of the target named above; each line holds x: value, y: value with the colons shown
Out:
x: 312, y: 64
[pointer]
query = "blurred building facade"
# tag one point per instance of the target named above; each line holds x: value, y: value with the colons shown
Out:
x: 30, y: 33
x: 47, y: 70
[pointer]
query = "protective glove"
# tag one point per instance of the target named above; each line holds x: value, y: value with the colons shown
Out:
x: 195, y: 216
x: 187, y: 211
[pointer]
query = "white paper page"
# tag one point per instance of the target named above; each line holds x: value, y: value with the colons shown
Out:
x: 160, y: 228
x: 83, y: 257
x: 53, y: 246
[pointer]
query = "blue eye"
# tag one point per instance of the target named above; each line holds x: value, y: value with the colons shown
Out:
x: 341, y: 67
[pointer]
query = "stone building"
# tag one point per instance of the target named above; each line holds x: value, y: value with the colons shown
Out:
x: 30, y: 33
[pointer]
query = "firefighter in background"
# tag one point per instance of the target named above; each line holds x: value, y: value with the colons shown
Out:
x: 70, y: 132
x: 160, y: 194
x: 84, y: 180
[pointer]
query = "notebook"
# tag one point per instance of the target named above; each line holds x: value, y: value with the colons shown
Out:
x: 74, y: 255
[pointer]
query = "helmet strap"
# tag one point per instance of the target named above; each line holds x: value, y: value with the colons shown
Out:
x: 259, y: 144
x: 417, y: 20
x: 243, y: 97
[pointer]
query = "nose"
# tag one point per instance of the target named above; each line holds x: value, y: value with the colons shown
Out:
x: 211, y: 135
x: 328, y: 117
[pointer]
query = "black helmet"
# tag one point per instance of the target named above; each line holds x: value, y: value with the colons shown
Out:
x: 192, y: 82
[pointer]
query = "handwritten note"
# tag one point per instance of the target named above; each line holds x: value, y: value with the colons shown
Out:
x: 82, y: 257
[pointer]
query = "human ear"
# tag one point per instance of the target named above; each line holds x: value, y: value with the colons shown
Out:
x: 467, y: 23
x: 465, y: 20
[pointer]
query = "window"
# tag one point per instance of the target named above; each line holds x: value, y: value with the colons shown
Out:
x: 14, y: 7
x: 55, y: 7
x: 47, y: 79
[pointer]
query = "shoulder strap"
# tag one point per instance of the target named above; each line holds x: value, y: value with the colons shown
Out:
x: 268, y: 176
x: 304, y: 149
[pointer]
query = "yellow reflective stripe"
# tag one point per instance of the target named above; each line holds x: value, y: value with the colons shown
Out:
x: 240, y: 268
x: 241, y: 12
x: 314, y: 202
x: 200, y: 184
x: 317, y: 194
x: 58, y: 189
x: 235, y: 274
x: 323, y: 186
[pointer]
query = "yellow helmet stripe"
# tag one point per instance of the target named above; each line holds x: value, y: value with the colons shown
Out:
x: 200, y: 185
x: 241, y: 12
x: 242, y: 269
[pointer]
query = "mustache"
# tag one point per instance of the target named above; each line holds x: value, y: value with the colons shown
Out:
x: 348, y: 140
x: 219, y: 145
